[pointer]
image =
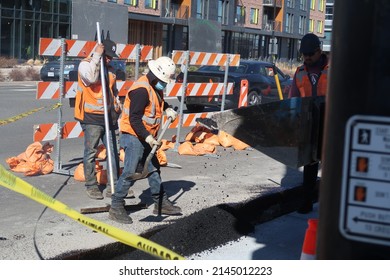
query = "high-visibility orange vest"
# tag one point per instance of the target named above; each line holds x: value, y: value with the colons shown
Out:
x: 304, y: 85
x: 153, y: 111
x: 89, y: 99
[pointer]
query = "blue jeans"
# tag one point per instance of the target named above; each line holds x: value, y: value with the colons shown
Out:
x: 92, y: 135
x: 136, y: 152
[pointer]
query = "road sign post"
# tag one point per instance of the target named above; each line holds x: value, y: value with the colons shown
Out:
x: 354, y: 218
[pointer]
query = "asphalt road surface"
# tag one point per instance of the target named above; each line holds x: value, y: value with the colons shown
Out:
x: 223, y: 196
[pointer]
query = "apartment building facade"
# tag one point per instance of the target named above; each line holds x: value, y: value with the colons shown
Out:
x: 256, y: 29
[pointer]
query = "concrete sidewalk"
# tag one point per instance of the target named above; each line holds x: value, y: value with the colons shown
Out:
x: 31, y: 231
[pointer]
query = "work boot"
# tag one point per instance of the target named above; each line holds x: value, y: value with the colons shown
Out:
x: 94, y: 192
x: 119, y: 214
x: 130, y: 193
x: 167, y: 207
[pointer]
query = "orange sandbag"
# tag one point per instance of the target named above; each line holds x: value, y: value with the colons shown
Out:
x: 122, y: 155
x: 34, y: 161
x: 204, y: 148
x: 162, y: 157
x: 18, y: 165
x: 79, y: 173
x: 211, y: 138
x: 165, y: 145
x: 101, y: 152
x: 197, y: 133
x: 101, y: 174
x: 239, y: 145
x: 186, y: 148
x: 226, y: 140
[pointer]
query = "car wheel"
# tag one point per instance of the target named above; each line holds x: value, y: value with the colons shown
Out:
x: 254, y: 98
x: 195, y: 108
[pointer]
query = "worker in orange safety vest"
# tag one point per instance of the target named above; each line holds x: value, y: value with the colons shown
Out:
x: 140, y: 122
x: 310, y: 80
x: 89, y: 110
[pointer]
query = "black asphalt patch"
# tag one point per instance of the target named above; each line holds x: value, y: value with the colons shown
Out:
x: 204, y: 230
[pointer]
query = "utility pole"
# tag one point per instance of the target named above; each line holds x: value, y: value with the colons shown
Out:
x: 354, y: 216
x: 273, y: 39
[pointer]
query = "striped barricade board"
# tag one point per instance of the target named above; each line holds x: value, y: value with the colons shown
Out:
x: 198, y: 89
x: 51, y: 90
x: 188, y: 119
x: 48, y: 131
x: 203, y: 58
x: 79, y: 48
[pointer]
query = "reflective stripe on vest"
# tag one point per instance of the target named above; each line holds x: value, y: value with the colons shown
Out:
x: 305, y: 86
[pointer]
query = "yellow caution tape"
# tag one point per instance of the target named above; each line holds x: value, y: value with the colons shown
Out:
x: 20, y: 116
x: 16, y: 184
x: 55, y: 106
x: 25, y: 114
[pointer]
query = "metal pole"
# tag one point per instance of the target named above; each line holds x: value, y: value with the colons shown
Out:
x: 58, y: 164
x: 137, y: 59
x: 225, y: 80
x: 273, y: 34
x: 106, y: 123
x: 349, y: 97
x: 183, y: 96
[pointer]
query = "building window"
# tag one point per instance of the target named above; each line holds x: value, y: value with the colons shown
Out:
x: 240, y: 14
x: 223, y: 8
x: 202, y: 9
x: 320, y: 26
x: 311, y: 25
x: 290, y: 3
x: 289, y: 23
x: 321, y: 5
x: 254, y: 16
x: 301, y: 25
x: 312, y: 5
x: 133, y: 3
x: 303, y: 5
x: 151, y: 4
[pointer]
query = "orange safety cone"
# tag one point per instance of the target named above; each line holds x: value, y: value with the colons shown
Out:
x: 309, y: 244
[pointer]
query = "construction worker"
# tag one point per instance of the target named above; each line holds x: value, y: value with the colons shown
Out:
x: 310, y: 80
x: 140, y: 122
x: 89, y: 110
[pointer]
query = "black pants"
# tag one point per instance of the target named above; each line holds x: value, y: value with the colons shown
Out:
x: 310, y: 173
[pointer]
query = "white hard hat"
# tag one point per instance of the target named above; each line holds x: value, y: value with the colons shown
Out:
x: 163, y: 68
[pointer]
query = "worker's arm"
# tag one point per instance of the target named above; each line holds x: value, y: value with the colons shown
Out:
x: 89, y: 68
x: 139, y: 100
x: 294, y: 92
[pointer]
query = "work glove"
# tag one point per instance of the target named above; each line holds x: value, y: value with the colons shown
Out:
x: 171, y: 113
x: 151, y: 141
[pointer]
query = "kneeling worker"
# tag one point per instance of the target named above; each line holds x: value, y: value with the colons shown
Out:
x: 140, y: 122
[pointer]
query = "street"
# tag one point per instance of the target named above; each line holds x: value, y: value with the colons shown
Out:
x: 205, y: 185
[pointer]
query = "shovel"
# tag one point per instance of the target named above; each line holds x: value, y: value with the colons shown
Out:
x: 145, y: 173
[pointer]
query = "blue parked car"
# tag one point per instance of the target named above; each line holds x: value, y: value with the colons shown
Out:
x: 50, y: 71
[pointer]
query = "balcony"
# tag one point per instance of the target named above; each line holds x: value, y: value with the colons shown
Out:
x: 272, y: 3
x: 271, y: 25
x: 239, y: 20
x: 177, y: 11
